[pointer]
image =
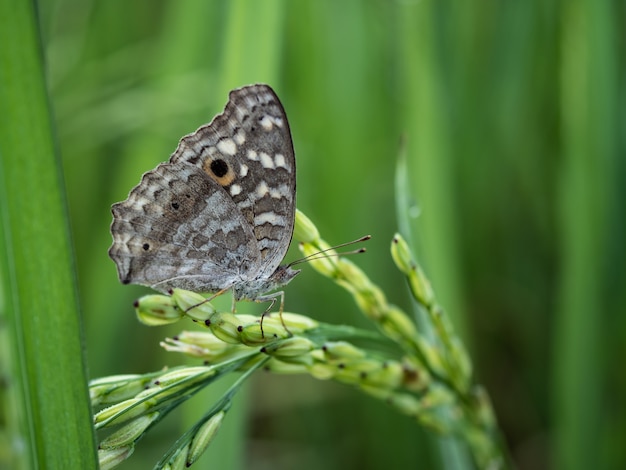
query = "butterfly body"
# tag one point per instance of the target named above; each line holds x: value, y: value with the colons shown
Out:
x: 220, y: 214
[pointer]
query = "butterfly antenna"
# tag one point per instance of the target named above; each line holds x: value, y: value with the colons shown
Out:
x: 322, y: 253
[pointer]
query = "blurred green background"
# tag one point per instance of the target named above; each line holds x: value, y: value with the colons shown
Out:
x: 513, y: 118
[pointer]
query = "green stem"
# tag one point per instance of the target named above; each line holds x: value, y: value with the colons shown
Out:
x: 222, y: 404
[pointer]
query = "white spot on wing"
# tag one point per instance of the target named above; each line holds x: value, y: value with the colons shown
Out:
x: 245, y: 203
x: 280, y: 192
x: 252, y: 155
x: 266, y: 160
x: 279, y: 160
x: 188, y: 154
x: 269, y: 218
x: 266, y: 122
x: 235, y: 189
x: 227, y: 147
x: 240, y: 137
x: 262, y: 189
x: 243, y: 170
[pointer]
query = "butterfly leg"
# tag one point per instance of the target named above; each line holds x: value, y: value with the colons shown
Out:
x: 208, y: 299
x: 233, y: 307
x: 272, y: 299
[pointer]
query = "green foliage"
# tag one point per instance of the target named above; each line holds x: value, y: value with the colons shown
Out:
x: 42, y: 355
x: 427, y: 377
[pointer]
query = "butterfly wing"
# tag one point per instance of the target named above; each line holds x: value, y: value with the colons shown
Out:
x: 178, y: 228
x: 248, y: 151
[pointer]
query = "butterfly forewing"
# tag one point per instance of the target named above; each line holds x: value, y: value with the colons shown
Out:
x: 248, y: 150
x: 221, y: 212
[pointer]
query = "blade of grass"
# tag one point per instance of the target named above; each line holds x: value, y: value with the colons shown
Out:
x: 589, y: 97
x: 251, y: 23
x: 430, y: 173
x: 40, y: 301
x: 407, y: 210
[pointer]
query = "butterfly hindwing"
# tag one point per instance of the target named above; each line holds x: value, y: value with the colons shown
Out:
x: 178, y: 229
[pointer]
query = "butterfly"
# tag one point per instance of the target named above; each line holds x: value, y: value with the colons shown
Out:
x: 219, y: 215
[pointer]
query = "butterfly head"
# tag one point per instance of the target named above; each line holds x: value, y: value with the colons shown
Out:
x: 257, y: 288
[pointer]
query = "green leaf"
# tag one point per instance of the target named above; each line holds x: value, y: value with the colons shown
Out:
x: 49, y: 408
